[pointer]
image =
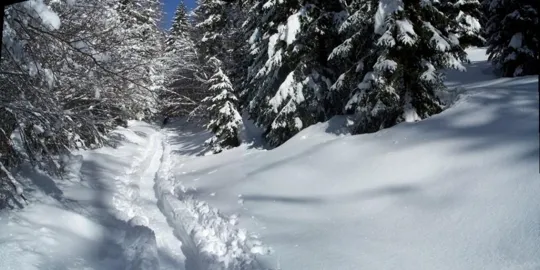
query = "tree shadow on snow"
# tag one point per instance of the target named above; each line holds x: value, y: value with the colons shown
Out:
x: 104, y: 252
x: 41, y: 181
x: 395, y: 190
x: 188, y: 139
x: 114, y: 139
x: 513, y: 119
x: 96, y: 208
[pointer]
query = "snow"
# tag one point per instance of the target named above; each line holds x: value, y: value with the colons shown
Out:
x: 49, y: 17
x: 471, y: 23
x: 255, y: 36
x: 385, y: 9
x: 49, y: 75
x: 440, y: 43
x: 289, y: 31
x: 298, y: 123
x: 272, y: 41
x: 430, y: 74
x: 140, y: 247
x: 516, y: 41
x: 410, y: 115
x: 38, y: 129
x: 285, y: 33
x: 406, y: 32
x: 117, y: 208
x: 287, y: 89
x: 454, y: 191
x: 386, y: 65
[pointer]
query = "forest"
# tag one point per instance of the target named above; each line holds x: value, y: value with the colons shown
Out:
x: 71, y: 71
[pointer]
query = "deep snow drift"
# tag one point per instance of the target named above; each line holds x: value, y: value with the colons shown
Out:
x: 456, y: 191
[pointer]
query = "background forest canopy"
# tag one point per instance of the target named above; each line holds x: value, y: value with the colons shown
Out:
x: 71, y: 71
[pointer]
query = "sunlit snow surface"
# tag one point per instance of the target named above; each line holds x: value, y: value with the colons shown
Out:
x: 456, y: 191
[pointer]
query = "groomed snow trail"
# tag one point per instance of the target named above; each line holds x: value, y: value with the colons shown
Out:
x: 136, y: 200
x: 211, y: 241
x: 102, y: 215
x: 189, y: 234
x: 124, y: 207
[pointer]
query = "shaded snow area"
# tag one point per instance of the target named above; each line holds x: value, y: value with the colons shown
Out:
x: 117, y: 209
x: 456, y: 191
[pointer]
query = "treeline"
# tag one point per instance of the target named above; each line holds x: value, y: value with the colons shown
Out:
x: 288, y: 64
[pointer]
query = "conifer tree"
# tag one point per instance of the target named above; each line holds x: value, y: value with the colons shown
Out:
x: 214, y: 29
x: 355, y: 52
x: 468, y: 16
x: 226, y: 122
x: 512, y: 36
x: 404, y: 47
x: 180, y: 28
x: 183, y: 91
x: 211, y: 29
x: 236, y: 62
x: 289, y: 76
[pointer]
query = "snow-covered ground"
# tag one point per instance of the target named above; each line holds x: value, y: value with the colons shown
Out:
x: 117, y: 209
x: 456, y: 191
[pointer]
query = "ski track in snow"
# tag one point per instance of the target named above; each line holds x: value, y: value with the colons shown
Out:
x: 138, y: 202
x: 122, y: 208
x: 189, y: 233
x: 210, y: 240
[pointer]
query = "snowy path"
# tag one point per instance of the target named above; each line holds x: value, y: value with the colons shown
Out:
x: 123, y: 208
x: 211, y: 240
x: 139, y: 200
x: 189, y: 234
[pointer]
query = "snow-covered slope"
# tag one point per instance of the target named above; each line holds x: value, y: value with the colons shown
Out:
x: 456, y: 191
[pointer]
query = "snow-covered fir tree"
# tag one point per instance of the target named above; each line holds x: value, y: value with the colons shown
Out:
x: 288, y: 80
x: 140, y: 20
x: 211, y: 23
x: 237, y: 58
x: 512, y: 36
x: 226, y: 122
x: 215, y: 43
x: 180, y: 28
x: 404, y: 47
x: 468, y: 16
x: 356, y: 50
x: 184, y: 91
x: 219, y: 33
